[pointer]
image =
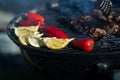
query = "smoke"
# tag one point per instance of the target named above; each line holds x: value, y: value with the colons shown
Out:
x: 86, y: 6
x: 18, y: 6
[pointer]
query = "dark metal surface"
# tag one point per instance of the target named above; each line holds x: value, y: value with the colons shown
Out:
x: 68, y: 63
x: 101, y: 46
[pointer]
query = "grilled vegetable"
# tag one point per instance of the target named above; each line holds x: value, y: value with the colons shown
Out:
x: 53, y: 31
x: 38, y: 23
x: 35, y: 16
x: 85, y: 44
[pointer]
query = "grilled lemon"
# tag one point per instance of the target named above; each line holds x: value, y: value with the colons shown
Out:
x: 23, y: 40
x: 56, y: 44
x: 33, y: 42
x: 22, y: 32
x: 30, y: 28
x: 25, y: 31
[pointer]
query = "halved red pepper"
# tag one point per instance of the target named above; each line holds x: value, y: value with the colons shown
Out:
x: 85, y: 44
x: 35, y: 16
x: 53, y: 31
x: 38, y: 23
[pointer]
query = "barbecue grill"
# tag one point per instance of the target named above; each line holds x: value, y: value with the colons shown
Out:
x: 69, y: 63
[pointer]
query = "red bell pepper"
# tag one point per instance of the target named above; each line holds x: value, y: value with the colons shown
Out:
x: 53, y: 31
x: 35, y: 16
x: 85, y: 44
x: 31, y: 23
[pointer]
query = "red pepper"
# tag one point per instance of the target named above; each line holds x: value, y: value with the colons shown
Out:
x: 31, y: 23
x: 85, y: 44
x: 53, y: 31
x: 35, y: 16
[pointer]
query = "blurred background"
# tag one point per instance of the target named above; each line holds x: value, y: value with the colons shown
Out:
x: 13, y: 66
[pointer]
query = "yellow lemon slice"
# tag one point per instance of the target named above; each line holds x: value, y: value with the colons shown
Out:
x: 22, y: 32
x: 25, y: 31
x: 23, y: 40
x: 33, y: 42
x: 30, y: 28
x: 37, y: 34
x: 56, y: 44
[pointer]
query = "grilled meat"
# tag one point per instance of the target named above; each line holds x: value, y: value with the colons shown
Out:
x: 96, y: 24
x: 97, y: 32
x: 112, y: 28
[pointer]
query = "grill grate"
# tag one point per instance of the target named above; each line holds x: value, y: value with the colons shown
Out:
x: 100, y: 45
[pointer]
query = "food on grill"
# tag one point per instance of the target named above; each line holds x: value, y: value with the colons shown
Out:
x: 27, y: 35
x: 53, y: 31
x: 98, y: 14
x: 25, y: 31
x: 85, y: 44
x: 30, y: 28
x: 57, y: 44
x: 55, y: 38
x: 23, y: 40
x: 95, y: 25
x: 113, y: 28
x: 34, y: 41
x: 97, y: 32
x: 35, y: 16
x: 118, y: 19
x: 38, y: 23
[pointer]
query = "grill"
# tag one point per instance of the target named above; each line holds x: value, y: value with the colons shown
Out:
x: 69, y: 63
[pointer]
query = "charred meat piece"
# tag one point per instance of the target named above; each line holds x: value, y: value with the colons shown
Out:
x: 87, y: 21
x: 112, y: 28
x: 96, y: 25
x: 118, y: 19
x: 98, y: 14
x: 85, y: 18
x: 98, y: 33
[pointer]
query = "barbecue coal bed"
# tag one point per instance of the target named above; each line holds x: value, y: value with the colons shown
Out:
x: 69, y: 63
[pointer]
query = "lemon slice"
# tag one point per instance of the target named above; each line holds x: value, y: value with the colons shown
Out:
x: 23, y: 40
x: 33, y: 42
x: 56, y: 44
x: 30, y: 28
x: 22, y: 32
x: 26, y: 32
x: 37, y: 34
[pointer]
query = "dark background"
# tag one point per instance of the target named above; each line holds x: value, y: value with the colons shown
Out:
x: 13, y: 65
